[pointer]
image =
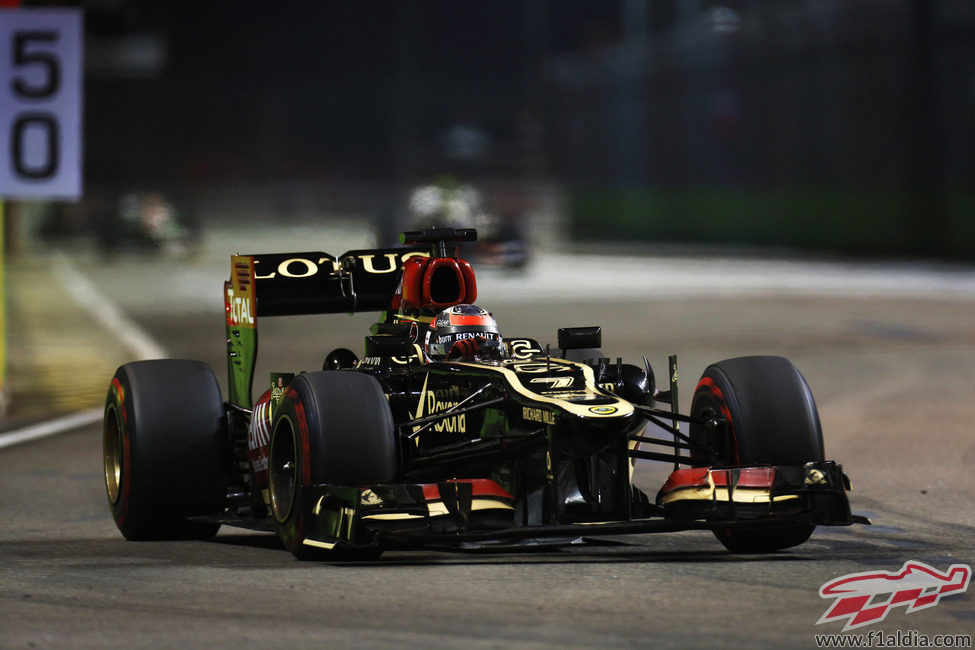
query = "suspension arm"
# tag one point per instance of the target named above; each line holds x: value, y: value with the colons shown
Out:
x: 458, y: 409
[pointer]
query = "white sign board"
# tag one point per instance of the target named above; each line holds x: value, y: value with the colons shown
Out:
x: 40, y: 103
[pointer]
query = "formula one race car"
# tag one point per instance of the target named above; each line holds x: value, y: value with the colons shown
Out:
x: 446, y: 435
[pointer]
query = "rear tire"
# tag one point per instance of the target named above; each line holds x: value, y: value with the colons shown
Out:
x: 772, y: 420
x: 164, y: 449
x: 332, y: 427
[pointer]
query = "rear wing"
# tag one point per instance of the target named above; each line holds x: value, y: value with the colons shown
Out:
x: 290, y: 284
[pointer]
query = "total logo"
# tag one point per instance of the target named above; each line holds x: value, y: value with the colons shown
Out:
x: 238, y: 309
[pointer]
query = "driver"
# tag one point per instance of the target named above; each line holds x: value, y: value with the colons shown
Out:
x: 464, y: 333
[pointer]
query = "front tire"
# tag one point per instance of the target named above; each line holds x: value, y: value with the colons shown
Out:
x: 332, y: 427
x: 164, y: 449
x: 772, y: 420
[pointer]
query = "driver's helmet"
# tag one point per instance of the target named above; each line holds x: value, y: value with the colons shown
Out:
x: 464, y: 332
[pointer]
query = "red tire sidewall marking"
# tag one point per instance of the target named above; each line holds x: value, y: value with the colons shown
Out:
x: 301, y: 417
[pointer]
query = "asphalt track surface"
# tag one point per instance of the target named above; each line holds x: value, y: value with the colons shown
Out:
x: 889, y: 353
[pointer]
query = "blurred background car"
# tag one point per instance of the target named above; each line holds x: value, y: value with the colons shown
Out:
x: 137, y: 221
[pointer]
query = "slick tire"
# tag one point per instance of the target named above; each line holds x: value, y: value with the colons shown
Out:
x: 332, y: 427
x: 773, y: 420
x: 164, y: 449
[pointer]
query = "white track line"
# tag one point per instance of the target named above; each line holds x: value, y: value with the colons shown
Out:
x: 51, y: 427
x: 105, y: 312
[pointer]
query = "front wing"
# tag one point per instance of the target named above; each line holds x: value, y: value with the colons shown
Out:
x: 478, y: 513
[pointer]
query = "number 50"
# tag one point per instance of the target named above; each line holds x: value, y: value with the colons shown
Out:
x: 39, y: 123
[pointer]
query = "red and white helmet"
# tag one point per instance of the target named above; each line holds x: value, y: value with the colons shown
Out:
x: 464, y: 332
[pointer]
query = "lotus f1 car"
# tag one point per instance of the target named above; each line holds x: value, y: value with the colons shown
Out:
x: 394, y: 450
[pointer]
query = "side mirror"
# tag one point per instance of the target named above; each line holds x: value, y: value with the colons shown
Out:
x: 389, y: 346
x: 339, y: 359
x: 576, y: 338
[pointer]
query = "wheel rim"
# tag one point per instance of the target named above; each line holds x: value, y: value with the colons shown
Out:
x: 699, y: 433
x: 705, y: 406
x: 282, y: 464
x: 112, y: 447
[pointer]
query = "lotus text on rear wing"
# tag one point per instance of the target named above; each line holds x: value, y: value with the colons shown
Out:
x: 303, y: 267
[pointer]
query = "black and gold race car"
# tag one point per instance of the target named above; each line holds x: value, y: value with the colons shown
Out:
x: 446, y: 435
